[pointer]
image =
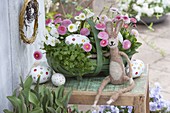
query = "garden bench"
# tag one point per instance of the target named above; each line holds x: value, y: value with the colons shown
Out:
x: 84, y: 92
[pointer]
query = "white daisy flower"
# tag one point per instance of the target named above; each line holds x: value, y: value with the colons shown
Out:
x: 150, y: 12
x: 72, y: 28
x: 51, y: 41
x: 140, y: 2
x: 77, y: 18
x: 82, y: 16
x: 78, y: 23
x: 135, y: 32
x: 89, y: 13
x: 54, y: 32
x: 158, y: 9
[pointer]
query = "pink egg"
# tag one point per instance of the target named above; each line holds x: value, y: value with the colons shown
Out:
x: 126, y: 44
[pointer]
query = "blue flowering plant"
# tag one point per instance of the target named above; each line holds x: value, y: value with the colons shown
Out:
x: 157, y: 104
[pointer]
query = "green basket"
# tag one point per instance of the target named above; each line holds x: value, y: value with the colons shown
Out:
x: 102, y: 63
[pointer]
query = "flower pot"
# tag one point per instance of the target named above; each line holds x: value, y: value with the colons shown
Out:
x: 154, y: 20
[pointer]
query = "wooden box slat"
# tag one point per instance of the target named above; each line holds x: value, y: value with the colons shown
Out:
x: 84, y: 91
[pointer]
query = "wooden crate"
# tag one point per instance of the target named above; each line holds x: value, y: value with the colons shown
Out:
x: 84, y: 92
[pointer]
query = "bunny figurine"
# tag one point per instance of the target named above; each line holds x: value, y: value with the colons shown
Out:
x: 116, y: 69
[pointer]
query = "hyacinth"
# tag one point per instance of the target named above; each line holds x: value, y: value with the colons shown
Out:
x: 87, y: 47
x: 126, y: 44
x: 104, y: 43
x: 103, y: 35
x: 66, y: 22
x: 100, y: 26
x: 84, y: 31
x: 37, y: 55
x: 62, y: 30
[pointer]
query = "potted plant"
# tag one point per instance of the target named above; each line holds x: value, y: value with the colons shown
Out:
x: 69, y: 42
x: 38, y: 99
x: 148, y: 11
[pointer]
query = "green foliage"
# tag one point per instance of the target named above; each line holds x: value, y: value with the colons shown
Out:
x: 134, y: 44
x: 38, y: 99
x: 71, y: 57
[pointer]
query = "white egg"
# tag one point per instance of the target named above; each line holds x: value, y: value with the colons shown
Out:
x: 76, y: 39
x: 138, y: 67
x: 58, y: 79
x: 43, y: 71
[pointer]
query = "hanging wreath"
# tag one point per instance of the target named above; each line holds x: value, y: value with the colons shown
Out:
x: 29, y: 14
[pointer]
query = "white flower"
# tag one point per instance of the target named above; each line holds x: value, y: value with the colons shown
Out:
x: 51, y: 41
x: 54, y: 32
x: 145, y: 10
x: 82, y: 16
x: 135, y: 32
x: 149, y: 1
x: 158, y: 9
x: 120, y: 37
x: 89, y: 13
x: 72, y: 28
x: 140, y: 2
x: 166, y: 3
x: 145, y: 5
x: 77, y: 18
x: 150, y: 12
x: 137, y: 8
x: 124, y: 7
x: 138, y: 16
x: 78, y: 23
x: 157, y: 1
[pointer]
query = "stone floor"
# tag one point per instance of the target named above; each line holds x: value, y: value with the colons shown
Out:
x: 155, y: 51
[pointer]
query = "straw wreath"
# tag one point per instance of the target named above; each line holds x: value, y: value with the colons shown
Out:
x: 22, y: 19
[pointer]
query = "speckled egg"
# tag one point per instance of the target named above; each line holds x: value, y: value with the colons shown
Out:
x: 58, y: 79
x: 43, y: 71
x: 138, y: 67
x: 76, y: 39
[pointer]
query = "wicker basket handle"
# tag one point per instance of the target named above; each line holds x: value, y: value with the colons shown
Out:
x: 22, y: 21
x: 98, y: 47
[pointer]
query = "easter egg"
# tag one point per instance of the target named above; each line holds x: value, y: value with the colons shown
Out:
x: 76, y: 39
x: 58, y: 79
x: 138, y: 67
x: 43, y: 71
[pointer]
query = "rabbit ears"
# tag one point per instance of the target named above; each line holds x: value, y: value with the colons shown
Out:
x: 109, y: 28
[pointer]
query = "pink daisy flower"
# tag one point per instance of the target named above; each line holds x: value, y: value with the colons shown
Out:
x: 103, y: 35
x: 100, y: 26
x: 37, y: 55
x: 57, y: 20
x: 62, y: 30
x: 126, y: 44
x: 118, y: 17
x: 87, y: 47
x: 48, y: 21
x: 66, y: 22
x: 133, y: 20
x: 84, y: 31
x: 103, y: 18
x: 126, y: 19
x: 104, y: 43
x: 57, y: 15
